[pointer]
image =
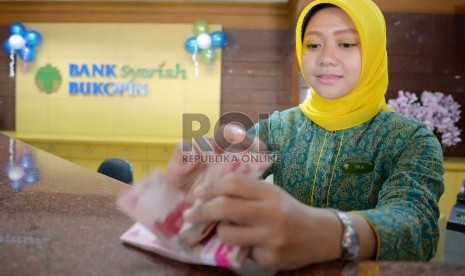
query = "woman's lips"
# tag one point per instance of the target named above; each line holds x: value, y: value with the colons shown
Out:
x: 328, y: 78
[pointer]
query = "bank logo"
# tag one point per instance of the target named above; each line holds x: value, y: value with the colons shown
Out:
x: 48, y: 79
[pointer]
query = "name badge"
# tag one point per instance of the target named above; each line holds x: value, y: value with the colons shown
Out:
x: 357, y: 167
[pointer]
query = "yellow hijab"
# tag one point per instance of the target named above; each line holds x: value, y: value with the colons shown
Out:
x: 367, y: 98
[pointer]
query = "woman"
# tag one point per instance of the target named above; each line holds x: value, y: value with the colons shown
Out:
x: 354, y: 180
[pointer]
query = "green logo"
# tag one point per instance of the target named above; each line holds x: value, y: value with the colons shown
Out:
x: 48, y: 79
x: 357, y: 167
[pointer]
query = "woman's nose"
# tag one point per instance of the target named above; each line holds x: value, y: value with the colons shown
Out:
x: 327, y: 56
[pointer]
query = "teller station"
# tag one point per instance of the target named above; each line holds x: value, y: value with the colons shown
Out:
x: 58, y: 218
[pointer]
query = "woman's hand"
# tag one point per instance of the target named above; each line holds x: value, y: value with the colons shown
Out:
x: 181, y: 171
x: 184, y: 172
x: 282, y: 232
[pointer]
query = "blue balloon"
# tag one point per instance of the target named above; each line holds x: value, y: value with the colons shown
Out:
x: 6, y: 46
x: 27, y: 54
x: 33, y: 38
x: 219, y: 39
x: 191, y: 45
x: 17, y: 28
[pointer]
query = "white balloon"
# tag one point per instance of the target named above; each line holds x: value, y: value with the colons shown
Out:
x: 17, y: 42
x: 204, y: 41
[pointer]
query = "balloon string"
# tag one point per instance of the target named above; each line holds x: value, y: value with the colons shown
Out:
x: 12, y: 63
x: 196, y: 63
x: 24, y: 63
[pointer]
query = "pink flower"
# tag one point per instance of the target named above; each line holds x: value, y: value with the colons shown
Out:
x: 437, y: 111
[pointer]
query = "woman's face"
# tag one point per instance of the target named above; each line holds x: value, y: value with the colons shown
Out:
x: 331, y: 53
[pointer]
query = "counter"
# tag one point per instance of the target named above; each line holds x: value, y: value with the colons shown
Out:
x: 61, y: 219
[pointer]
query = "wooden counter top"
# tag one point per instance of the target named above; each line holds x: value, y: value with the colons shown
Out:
x: 64, y: 221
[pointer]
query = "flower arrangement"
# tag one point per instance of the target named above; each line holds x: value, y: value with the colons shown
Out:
x: 437, y: 111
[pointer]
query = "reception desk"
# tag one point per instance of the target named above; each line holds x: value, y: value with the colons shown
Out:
x: 57, y: 218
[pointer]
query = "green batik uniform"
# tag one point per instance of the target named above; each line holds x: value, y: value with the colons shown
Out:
x: 388, y: 169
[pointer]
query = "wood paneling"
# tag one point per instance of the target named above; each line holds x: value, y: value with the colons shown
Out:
x: 422, y: 6
x: 7, y: 89
x: 257, y: 72
x: 399, y: 6
x: 231, y: 15
x: 396, y: 6
x: 426, y: 54
x: 7, y: 113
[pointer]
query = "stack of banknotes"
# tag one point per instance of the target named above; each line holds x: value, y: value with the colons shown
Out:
x: 156, y: 206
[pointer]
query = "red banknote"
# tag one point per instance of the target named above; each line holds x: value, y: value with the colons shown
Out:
x: 158, y: 206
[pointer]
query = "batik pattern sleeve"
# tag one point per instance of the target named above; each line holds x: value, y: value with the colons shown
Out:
x: 405, y: 218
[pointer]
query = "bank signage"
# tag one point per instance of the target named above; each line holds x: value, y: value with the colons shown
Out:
x: 119, y: 80
x: 130, y: 80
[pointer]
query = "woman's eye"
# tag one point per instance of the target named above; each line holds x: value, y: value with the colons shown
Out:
x: 348, y: 45
x: 312, y: 46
